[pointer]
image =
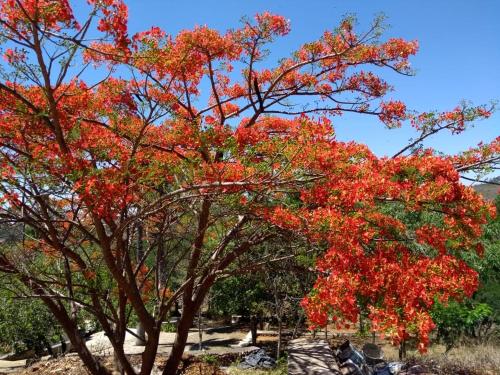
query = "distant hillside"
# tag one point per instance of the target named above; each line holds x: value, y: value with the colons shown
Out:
x: 488, y: 191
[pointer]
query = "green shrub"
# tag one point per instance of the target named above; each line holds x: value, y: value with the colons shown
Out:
x: 211, y: 359
x: 456, y: 320
x: 168, y: 327
x: 26, y: 325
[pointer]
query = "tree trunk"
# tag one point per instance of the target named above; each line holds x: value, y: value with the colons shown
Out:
x: 116, y: 332
x: 91, y: 363
x: 185, y: 323
x: 280, y: 331
x: 296, y: 329
x: 141, y: 336
x: 402, y: 350
x: 64, y: 348
x: 121, y: 363
x: 253, y: 329
x: 48, y: 347
x: 117, y: 364
x: 149, y: 354
x: 200, y: 332
x: 69, y: 281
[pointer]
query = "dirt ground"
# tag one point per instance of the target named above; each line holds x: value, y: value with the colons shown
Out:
x: 216, y: 341
x: 207, y: 363
x: 432, y: 364
x: 470, y: 360
x: 191, y: 365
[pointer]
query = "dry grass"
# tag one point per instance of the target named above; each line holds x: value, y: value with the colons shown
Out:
x: 463, y: 360
x: 200, y: 368
x: 480, y: 359
x: 279, y: 370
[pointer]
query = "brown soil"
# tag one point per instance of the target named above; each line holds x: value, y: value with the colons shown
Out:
x: 71, y: 365
x: 481, y: 360
x: 201, y: 368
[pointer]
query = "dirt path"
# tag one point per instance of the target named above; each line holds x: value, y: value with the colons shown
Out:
x: 311, y: 357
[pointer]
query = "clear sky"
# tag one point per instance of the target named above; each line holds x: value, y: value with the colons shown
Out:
x: 459, y: 54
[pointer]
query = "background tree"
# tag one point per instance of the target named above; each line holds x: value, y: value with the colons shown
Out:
x: 26, y: 325
x: 455, y: 320
x: 272, y: 292
x: 237, y: 296
x: 488, y: 265
x: 87, y: 158
x: 475, y: 318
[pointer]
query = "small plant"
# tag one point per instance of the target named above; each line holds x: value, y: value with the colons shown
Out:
x: 282, y: 360
x: 280, y: 369
x: 168, y: 327
x: 211, y: 359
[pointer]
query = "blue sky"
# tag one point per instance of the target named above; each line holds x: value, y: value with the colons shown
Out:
x: 459, y: 54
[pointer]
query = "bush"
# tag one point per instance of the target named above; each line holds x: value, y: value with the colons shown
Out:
x: 211, y: 359
x: 26, y: 325
x: 168, y: 327
x: 456, y: 320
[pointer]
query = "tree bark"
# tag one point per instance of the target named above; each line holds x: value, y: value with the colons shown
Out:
x: 402, y: 350
x: 253, y: 329
x: 280, y: 334
x: 200, y: 332
x: 69, y: 326
x: 149, y: 354
x: 141, y: 334
x: 121, y: 363
x: 90, y: 362
x: 185, y: 323
x: 297, y: 325
x: 190, y: 305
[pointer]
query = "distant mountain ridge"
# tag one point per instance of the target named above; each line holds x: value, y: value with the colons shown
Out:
x: 488, y: 191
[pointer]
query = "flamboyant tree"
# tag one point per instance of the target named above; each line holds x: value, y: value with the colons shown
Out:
x: 144, y: 167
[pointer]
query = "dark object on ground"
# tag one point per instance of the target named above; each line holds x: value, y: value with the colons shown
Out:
x: 381, y: 369
x: 415, y: 370
x: 258, y: 359
x: 351, y: 361
x: 368, y: 362
x: 391, y: 368
x: 350, y: 368
x: 373, y: 354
